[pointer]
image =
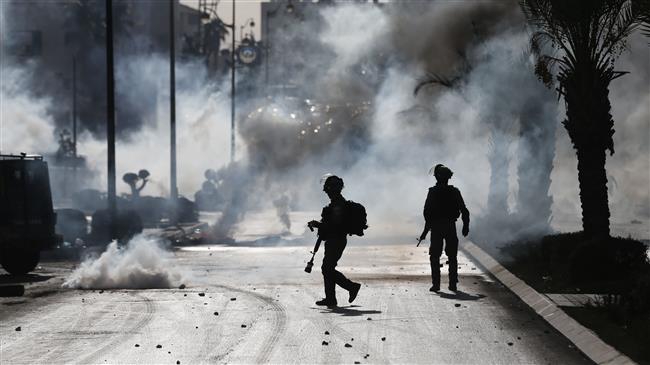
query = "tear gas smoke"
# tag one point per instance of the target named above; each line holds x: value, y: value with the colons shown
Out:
x: 354, y: 114
x: 142, y: 264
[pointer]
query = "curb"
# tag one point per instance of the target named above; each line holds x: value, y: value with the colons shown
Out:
x: 583, y: 338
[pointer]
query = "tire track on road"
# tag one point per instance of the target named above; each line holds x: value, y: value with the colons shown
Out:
x: 278, y: 322
x: 127, y: 330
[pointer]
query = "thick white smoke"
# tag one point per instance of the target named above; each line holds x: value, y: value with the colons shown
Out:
x: 363, y: 53
x: 26, y: 124
x: 142, y: 264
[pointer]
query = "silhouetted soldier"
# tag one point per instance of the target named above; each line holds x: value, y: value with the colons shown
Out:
x: 332, y: 229
x: 443, y: 206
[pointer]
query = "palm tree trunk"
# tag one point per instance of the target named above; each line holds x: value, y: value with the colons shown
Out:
x: 590, y: 127
x: 592, y: 180
x: 536, y: 153
x: 499, y: 160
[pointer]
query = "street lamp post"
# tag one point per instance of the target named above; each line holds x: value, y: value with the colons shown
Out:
x: 110, y: 122
x: 232, y: 88
x: 172, y: 110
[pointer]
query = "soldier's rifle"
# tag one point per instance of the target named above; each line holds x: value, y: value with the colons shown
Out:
x: 310, y: 264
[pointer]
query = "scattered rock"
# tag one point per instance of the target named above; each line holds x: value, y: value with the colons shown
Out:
x: 456, y: 326
x: 169, y: 352
x: 243, y: 326
x: 369, y: 319
x: 201, y: 294
x: 197, y: 327
x: 101, y: 292
x: 182, y: 286
x: 158, y: 346
x: 457, y: 305
x: 18, y: 329
x: 357, y: 362
x: 327, y: 332
x: 352, y: 339
x: 325, y: 343
x: 348, y: 345
x: 205, y: 303
x: 178, y: 362
x: 216, y: 313
x: 383, y: 338
x: 366, y: 356
x: 510, y: 343
x: 184, y: 295
x: 519, y: 338
x: 137, y: 345
x: 233, y: 299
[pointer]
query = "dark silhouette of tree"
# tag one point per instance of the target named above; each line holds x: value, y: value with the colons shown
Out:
x: 132, y: 179
x: 587, y: 36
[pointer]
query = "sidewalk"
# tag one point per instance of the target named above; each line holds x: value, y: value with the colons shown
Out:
x: 583, y: 338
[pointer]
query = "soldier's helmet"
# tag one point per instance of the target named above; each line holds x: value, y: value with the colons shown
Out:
x: 442, y: 172
x: 332, y: 183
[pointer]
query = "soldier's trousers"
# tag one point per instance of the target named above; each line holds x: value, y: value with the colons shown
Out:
x: 443, y: 231
x: 333, y: 251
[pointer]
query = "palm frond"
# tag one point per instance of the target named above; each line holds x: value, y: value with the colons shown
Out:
x: 432, y: 78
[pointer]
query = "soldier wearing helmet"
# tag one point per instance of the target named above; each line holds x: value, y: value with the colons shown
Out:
x: 331, y: 229
x: 442, y: 208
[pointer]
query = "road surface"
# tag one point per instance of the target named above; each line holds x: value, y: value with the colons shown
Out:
x: 256, y: 305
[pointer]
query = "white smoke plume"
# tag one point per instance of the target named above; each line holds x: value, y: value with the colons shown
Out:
x: 142, y: 264
x: 25, y: 121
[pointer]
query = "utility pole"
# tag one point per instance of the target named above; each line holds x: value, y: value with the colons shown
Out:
x: 110, y: 122
x: 172, y: 110
x: 74, y: 107
x: 232, y: 88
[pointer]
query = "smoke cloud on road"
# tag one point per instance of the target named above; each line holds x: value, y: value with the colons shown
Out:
x: 142, y: 264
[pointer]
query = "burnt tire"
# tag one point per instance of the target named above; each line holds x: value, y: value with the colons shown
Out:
x: 20, y: 262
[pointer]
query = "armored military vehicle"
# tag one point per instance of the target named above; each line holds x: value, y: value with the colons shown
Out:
x: 27, y: 218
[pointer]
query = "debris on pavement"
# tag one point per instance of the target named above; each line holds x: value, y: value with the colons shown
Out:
x: 201, y: 294
x: 369, y: 319
x: 137, y: 345
x: 327, y: 332
x: 182, y: 286
x: 243, y: 326
x: 383, y: 338
x: 457, y: 305
x: 233, y: 299
x: 347, y: 345
x: 158, y: 346
x: 18, y: 329
x: 216, y: 313
x: 325, y: 343
x: 510, y: 344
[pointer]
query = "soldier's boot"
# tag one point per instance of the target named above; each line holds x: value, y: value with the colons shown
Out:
x: 354, y: 291
x: 327, y: 302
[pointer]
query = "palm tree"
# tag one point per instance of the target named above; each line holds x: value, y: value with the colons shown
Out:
x: 586, y: 37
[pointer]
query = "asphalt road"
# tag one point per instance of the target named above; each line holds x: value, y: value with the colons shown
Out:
x: 266, y: 314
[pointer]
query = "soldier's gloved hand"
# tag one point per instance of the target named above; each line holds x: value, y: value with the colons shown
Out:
x: 313, y: 224
x: 465, y: 230
x: 423, y: 236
